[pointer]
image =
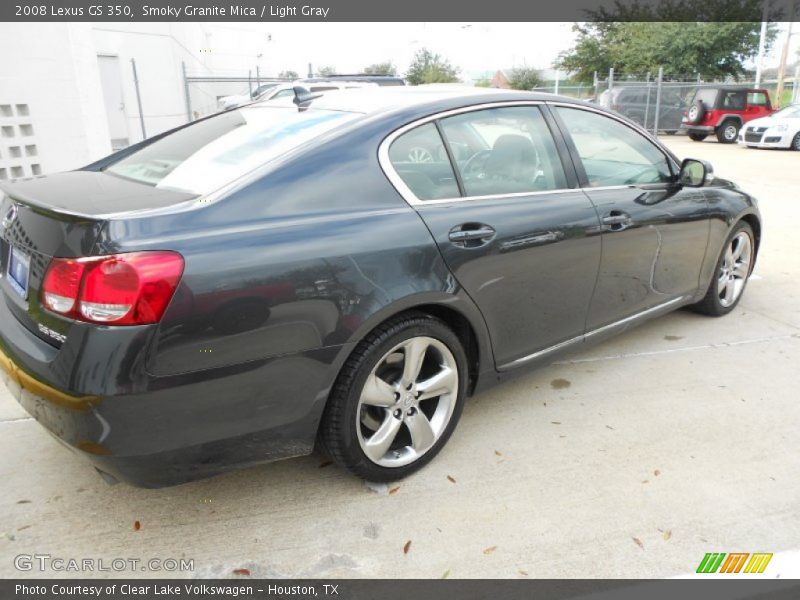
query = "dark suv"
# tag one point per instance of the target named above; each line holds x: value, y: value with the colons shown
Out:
x: 639, y: 105
x: 724, y: 110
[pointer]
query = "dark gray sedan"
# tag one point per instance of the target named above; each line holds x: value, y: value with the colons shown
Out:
x: 344, y: 270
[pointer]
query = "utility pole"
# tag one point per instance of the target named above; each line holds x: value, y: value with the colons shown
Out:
x: 792, y: 5
x: 762, y: 40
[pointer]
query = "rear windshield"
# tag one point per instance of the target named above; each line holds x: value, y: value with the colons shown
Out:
x: 210, y: 154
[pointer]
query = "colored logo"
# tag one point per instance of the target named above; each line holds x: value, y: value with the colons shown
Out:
x: 735, y: 562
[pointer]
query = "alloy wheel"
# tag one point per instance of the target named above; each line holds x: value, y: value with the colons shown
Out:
x: 730, y: 132
x: 735, y: 269
x: 407, y: 402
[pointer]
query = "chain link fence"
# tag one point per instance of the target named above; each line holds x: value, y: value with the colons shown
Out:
x: 658, y: 101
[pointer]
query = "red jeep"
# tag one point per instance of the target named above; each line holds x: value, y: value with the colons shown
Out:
x: 723, y: 110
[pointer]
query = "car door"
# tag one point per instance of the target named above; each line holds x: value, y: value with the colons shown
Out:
x: 655, y: 232
x: 504, y: 209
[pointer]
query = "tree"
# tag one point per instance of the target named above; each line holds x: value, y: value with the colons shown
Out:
x: 326, y: 71
x: 288, y: 75
x: 384, y: 68
x: 524, y: 78
x: 429, y: 67
x: 711, y: 38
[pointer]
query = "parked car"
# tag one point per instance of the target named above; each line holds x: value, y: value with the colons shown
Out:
x: 638, y: 103
x: 779, y: 130
x: 287, y: 90
x: 723, y: 110
x: 380, y: 286
x: 228, y: 102
x: 381, y: 80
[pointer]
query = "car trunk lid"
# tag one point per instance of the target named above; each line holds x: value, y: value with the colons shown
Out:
x: 60, y: 215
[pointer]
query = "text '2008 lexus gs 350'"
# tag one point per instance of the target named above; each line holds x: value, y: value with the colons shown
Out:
x: 344, y: 270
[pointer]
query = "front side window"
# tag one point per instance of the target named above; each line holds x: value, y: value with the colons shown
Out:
x: 613, y: 153
x: 421, y: 161
x: 504, y: 151
x: 207, y: 155
x: 757, y: 99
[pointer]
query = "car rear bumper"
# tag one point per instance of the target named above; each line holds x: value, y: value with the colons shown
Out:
x: 169, y: 430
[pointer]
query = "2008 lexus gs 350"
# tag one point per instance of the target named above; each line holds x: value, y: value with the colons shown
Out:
x: 345, y: 269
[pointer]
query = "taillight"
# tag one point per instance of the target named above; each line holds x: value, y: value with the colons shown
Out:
x: 122, y: 289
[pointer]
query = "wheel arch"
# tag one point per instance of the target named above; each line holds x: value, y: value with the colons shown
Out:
x: 755, y: 223
x: 457, y: 313
x: 730, y: 116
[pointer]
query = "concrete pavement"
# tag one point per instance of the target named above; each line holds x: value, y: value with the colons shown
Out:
x: 632, y: 459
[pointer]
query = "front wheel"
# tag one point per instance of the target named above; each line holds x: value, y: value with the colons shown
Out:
x: 397, y: 399
x: 796, y: 142
x: 697, y: 137
x: 732, y: 272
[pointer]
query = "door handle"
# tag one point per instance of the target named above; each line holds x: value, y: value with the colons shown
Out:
x: 617, y: 220
x: 471, y: 235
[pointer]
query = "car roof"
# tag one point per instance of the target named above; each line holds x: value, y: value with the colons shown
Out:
x: 379, y: 100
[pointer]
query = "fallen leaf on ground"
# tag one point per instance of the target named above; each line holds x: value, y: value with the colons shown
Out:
x: 446, y: 574
x: 394, y: 490
x: 327, y: 463
x: 556, y: 422
x: 667, y: 535
x: 23, y: 501
x: 245, y: 572
x: 407, y: 547
x: 490, y: 549
x: 656, y: 472
x: 451, y: 479
x: 523, y: 573
x: 23, y: 527
x: 646, y: 481
x: 638, y: 542
x: 498, y: 453
x: 137, y: 526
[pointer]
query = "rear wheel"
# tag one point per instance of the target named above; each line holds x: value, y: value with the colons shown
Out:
x: 697, y: 137
x: 397, y: 399
x: 728, y: 132
x: 732, y: 272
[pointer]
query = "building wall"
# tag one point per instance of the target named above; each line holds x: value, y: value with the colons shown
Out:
x: 50, y: 71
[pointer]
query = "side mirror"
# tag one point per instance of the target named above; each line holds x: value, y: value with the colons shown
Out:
x: 695, y: 173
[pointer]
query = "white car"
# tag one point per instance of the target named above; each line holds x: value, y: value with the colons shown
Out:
x: 273, y: 90
x: 779, y: 130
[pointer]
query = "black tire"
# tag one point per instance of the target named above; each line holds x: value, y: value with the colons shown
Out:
x: 711, y: 303
x: 697, y: 137
x: 671, y: 131
x: 728, y: 132
x: 338, y: 433
x: 796, y: 142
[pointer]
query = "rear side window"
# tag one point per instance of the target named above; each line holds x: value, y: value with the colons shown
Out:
x: 421, y: 161
x: 612, y: 153
x: 733, y: 100
x: 504, y: 151
x: 209, y: 154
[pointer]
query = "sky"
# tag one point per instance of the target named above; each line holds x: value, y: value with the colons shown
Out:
x: 473, y: 47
